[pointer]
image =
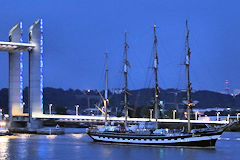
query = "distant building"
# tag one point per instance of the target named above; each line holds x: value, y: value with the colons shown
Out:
x: 71, y: 111
x: 208, y: 109
x: 236, y: 92
x: 92, y: 112
x: 117, y: 90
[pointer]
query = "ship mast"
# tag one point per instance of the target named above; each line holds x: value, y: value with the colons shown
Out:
x: 189, y: 103
x: 106, y: 87
x: 155, y: 67
x: 125, y: 71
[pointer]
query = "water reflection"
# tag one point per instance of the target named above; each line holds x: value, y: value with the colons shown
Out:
x: 181, y: 151
x: 161, y: 155
x: 4, y: 147
x: 51, y: 136
x: 24, y: 136
x: 226, y: 139
x: 80, y: 146
x: 107, y: 152
x: 77, y: 136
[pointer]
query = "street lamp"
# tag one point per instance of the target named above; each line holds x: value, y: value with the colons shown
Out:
x: 196, y: 115
x: 50, y: 108
x: 218, y: 113
x: 77, y: 106
x: 23, y: 104
x: 1, y: 113
x: 151, y: 111
x: 174, y: 114
x: 228, y: 117
x: 185, y: 114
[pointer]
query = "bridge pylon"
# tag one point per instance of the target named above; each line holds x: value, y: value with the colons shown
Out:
x: 15, y: 48
x: 15, y: 92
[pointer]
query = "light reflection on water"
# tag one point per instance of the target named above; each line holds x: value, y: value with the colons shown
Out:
x: 77, y: 136
x: 80, y: 146
x: 3, y: 147
x: 51, y: 136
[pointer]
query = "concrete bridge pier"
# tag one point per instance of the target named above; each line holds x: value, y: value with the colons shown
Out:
x: 34, y: 124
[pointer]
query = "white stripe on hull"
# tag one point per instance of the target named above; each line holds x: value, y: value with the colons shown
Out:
x: 155, y: 141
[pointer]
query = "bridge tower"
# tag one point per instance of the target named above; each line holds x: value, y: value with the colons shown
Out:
x: 15, y: 99
x: 36, y: 70
x: 15, y: 48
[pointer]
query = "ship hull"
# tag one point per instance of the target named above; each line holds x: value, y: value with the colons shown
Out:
x: 205, y: 140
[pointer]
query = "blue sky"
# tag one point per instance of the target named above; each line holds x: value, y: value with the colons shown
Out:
x: 77, y: 33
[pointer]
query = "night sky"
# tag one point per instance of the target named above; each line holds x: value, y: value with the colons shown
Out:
x: 77, y: 33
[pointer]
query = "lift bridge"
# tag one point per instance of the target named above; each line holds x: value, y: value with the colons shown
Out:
x: 16, y: 48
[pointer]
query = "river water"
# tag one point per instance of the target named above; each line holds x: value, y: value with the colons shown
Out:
x: 81, y: 147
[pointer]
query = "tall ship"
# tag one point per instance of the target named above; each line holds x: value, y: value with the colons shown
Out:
x: 148, y: 133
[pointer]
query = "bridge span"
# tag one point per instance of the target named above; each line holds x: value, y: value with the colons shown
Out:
x: 81, y: 118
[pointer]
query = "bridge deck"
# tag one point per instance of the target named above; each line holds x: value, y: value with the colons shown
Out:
x: 15, y: 47
x: 101, y: 118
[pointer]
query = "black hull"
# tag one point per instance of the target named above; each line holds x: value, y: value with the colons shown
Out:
x: 201, y: 140
x: 204, y: 143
